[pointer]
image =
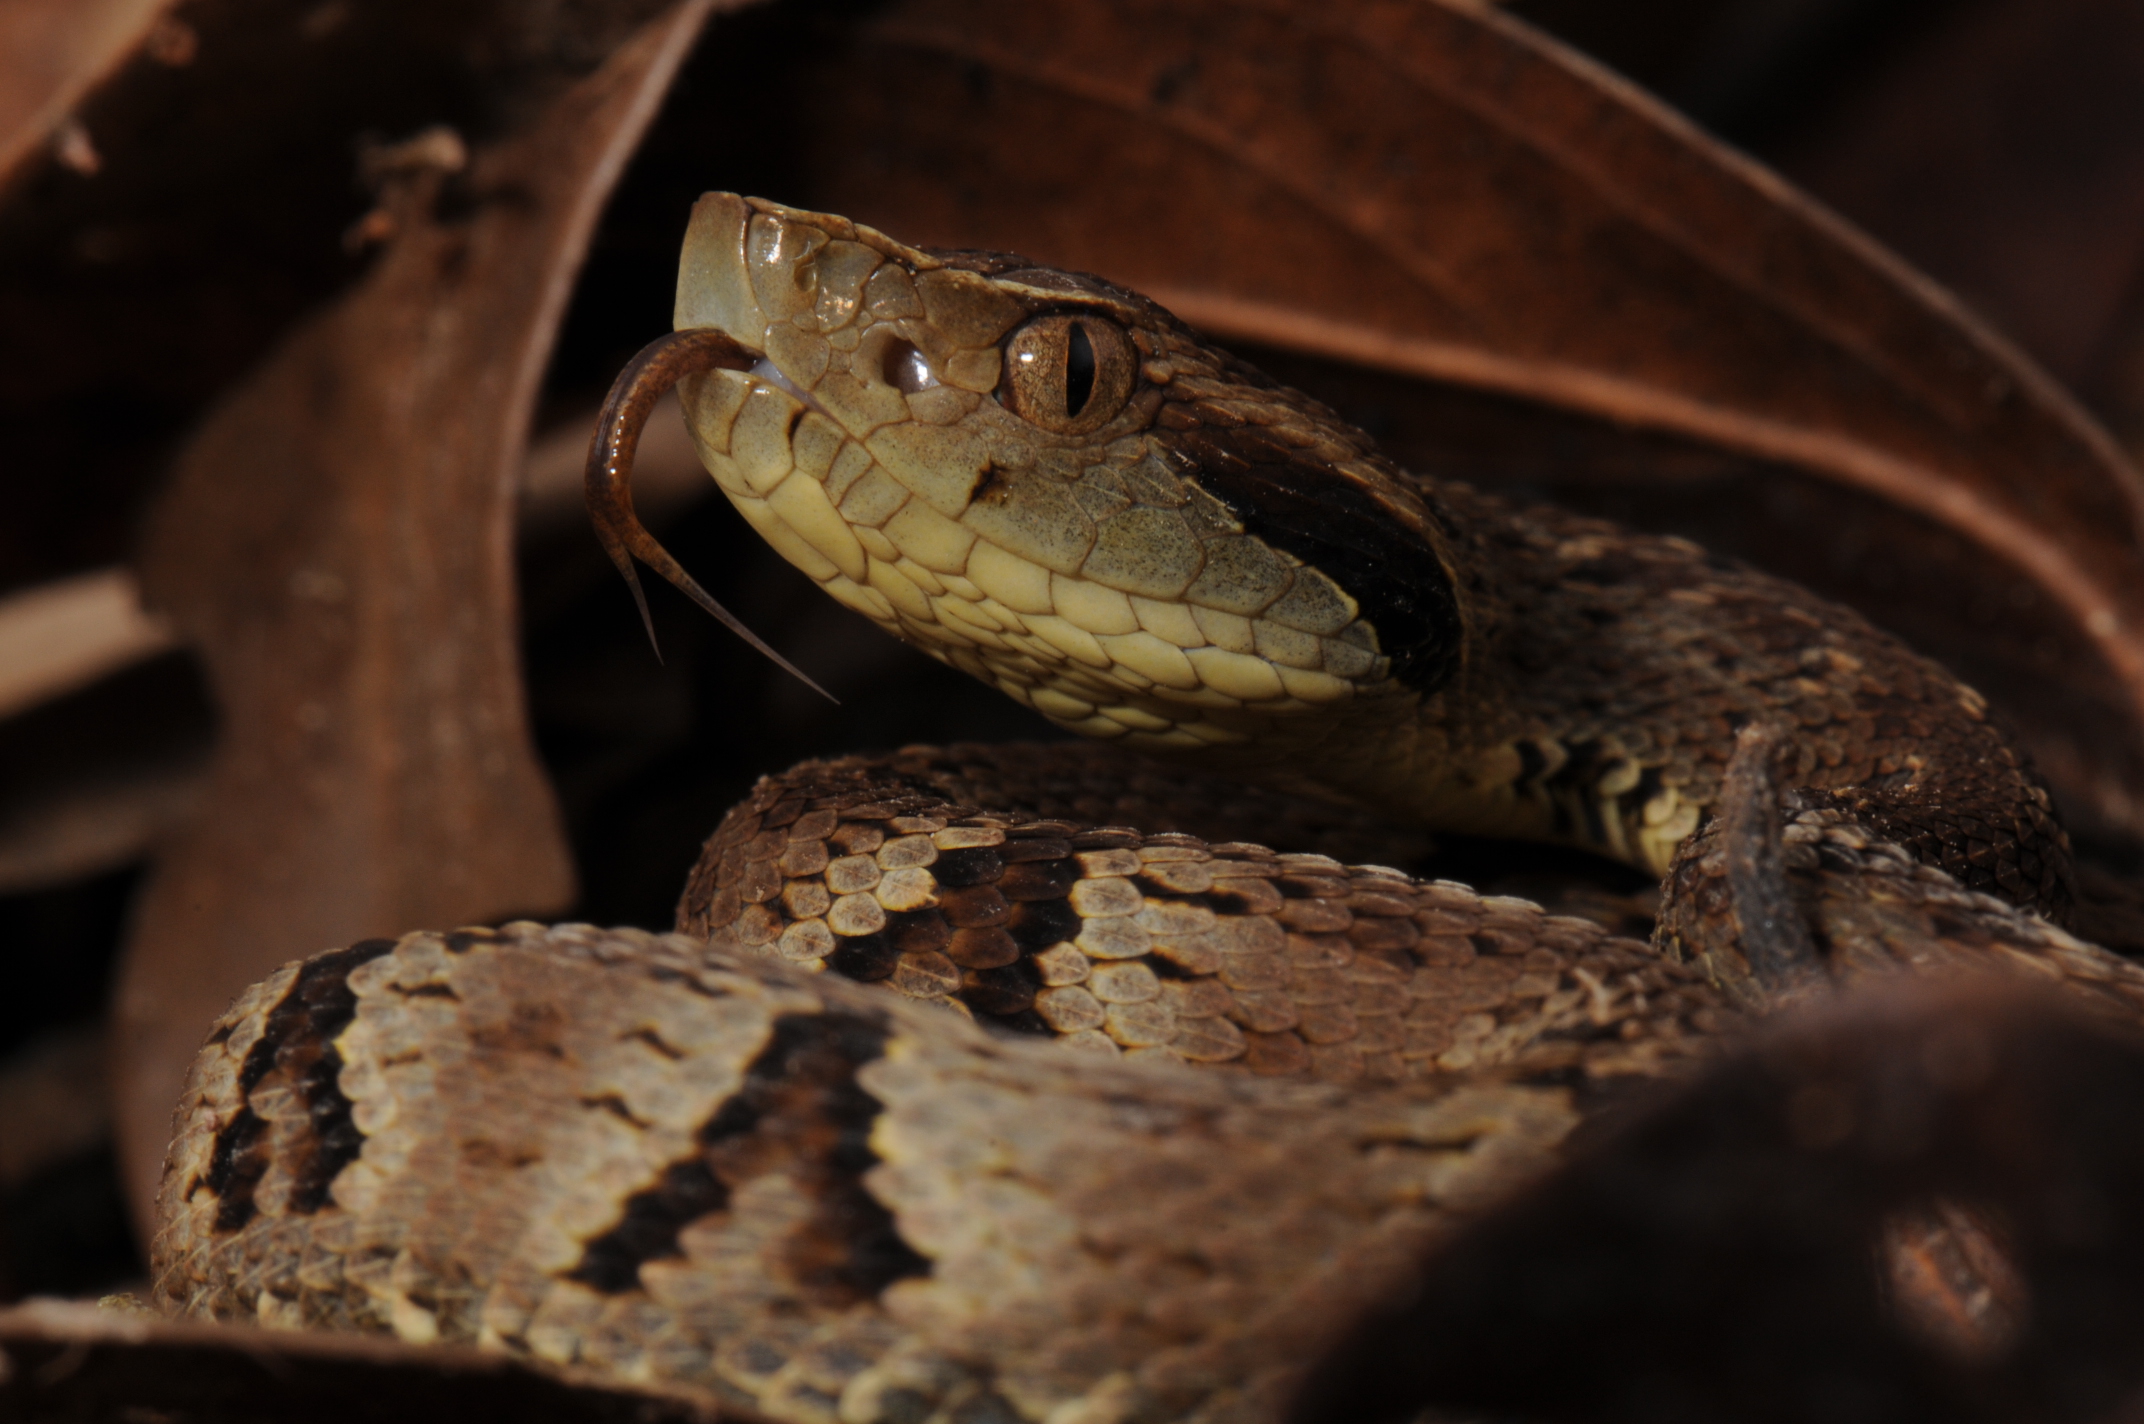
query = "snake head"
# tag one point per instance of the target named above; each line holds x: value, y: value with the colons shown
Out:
x: 1052, y: 484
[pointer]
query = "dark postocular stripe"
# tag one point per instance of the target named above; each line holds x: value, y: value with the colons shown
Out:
x: 297, y: 1043
x: 799, y: 1111
x: 1305, y: 508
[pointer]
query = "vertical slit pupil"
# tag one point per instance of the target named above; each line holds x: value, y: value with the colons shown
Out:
x: 1079, y: 371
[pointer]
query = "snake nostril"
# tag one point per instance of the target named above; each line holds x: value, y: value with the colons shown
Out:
x: 906, y: 369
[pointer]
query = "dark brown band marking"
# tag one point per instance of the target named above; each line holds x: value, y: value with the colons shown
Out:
x: 799, y: 1111
x: 296, y: 1046
x: 608, y: 483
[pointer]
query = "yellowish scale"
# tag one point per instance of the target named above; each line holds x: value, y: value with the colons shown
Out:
x: 1506, y: 802
x: 1109, y: 598
x: 1084, y: 654
x: 870, y: 495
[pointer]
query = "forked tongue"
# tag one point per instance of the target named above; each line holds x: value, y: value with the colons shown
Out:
x: 646, y: 379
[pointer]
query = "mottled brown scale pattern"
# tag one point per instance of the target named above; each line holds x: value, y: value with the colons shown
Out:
x: 1163, y: 945
x: 294, y: 1134
x: 999, y: 1193
x: 1650, y: 650
x: 1212, y: 566
x: 1592, y: 648
x: 695, y: 1165
x: 1875, y: 910
x: 722, y: 1174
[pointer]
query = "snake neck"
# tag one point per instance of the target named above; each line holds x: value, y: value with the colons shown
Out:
x: 1605, y: 674
x: 1052, y: 484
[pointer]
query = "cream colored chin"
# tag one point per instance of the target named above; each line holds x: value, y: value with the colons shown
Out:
x: 1089, y: 657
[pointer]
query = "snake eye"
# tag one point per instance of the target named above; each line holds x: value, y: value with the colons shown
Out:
x: 1068, y: 373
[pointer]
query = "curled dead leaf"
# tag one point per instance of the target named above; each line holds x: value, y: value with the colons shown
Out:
x: 338, y: 542
x: 1440, y: 201
x: 1716, y: 1255
x: 61, y: 1360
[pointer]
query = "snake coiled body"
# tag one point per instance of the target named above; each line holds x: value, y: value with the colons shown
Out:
x: 705, y: 1161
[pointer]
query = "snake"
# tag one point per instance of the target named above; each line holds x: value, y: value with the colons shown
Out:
x: 1102, y: 1081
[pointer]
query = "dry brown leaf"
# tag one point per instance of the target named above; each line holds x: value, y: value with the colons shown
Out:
x: 1711, y: 1256
x: 2005, y: 155
x: 1435, y: 191
x: 52, y: 52
x: 79, y: 1362
x: 67, y: 634
x: 338, y: 541
x: 52, y: 1102
x: 1404, y: 192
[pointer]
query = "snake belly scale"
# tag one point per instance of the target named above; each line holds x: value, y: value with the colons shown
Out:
x: 1194, y: 1096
